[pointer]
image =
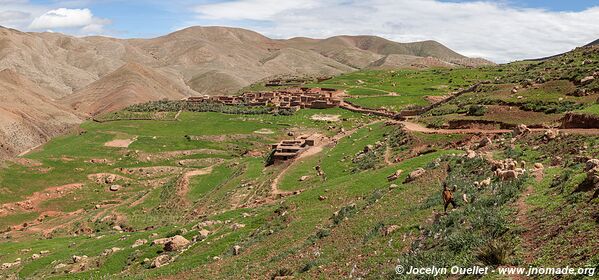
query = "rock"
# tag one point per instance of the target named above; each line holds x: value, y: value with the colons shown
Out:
x: 161, y: 260
x: 60, y: 266
x: 236, y: 250
x: 176, y: 243
x: 115, y: 188
x: 485, y: 142
x: 551, y: 134
x: 139, y: 242
x: 79, y: 259
x: 44, y: 252
x: 470, y: 154
x: 237, y: 226
x: 521, y: 129
x: 10, y: 265
x: 514, y: 90
x: 591, y: 164
x: 587, y: 80
x: 322, y: 197
x: 393, y: 186
x: 161, y: 241
x: 416, y: 174
x: 304, y: 178
x: 395, y: 175
x: 390, y: 229
x: 465, y: 198
x: 117, y: 228
x: 35, y: 256
x: 204, y: 233
x: 485, y: 183
x: 368, y: 148
x: 111, y: 251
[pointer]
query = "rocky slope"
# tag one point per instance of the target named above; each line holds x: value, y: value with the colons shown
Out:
x: 27, y: 116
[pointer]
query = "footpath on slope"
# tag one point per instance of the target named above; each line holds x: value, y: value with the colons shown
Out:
x: 325, y: 141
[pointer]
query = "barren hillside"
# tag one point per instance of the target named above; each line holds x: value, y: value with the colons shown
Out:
x: 133, y: 83
x: 27, y: 117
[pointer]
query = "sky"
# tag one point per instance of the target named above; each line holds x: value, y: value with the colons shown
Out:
x: 502, y: 31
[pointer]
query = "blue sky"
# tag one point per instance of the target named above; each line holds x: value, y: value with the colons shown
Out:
x: 499, y: 30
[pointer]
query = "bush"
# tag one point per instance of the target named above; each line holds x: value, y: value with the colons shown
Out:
x: 494, y: 253
x: 476, y: 110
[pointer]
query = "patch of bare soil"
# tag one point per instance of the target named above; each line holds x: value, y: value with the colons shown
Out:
x: 27, y: 162
x: 175, y: 154
x: 436, y: 98
x: 31, y: 204
x: 326, y: 118
x: 120, y: 143
x: 264, y: 131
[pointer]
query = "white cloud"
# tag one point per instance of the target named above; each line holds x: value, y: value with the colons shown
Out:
x: 69, y: 18
x: 492, y: 30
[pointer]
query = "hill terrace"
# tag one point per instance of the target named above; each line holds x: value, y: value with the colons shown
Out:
x: 293, y: 98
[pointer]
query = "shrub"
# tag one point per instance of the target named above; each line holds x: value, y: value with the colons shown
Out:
x: 476, y: 110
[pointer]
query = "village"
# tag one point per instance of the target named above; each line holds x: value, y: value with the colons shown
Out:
x: 293, y: 98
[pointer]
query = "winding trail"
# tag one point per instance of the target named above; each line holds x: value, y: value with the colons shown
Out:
x: 325, y: 141
x: 416, y: 127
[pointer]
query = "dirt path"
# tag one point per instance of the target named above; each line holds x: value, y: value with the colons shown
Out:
x: 120, y: 143
x: 183, y: 183
x: 325, y: 141
x: 420, y: 128
x: 387, y: 156
x: 528, y: 243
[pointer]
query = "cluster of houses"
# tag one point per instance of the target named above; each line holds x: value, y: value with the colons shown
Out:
x: 292, y: 98
x: 288, y: 149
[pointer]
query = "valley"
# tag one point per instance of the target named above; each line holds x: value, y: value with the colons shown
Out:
x: 174, y: 189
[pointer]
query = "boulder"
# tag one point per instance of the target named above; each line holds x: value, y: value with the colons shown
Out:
x: 176, y: 243
x: 521, y: 129
x: 591, y: 164
x: 551, y: 134
x: 393, y: 186
x: 139, y: 242
x: 395, y: 175
x: 390, y: 229
x: 79, y: 259
x: 470, y: 154
x: 35, y: 256
x: 117, y: 228
x: 161, y: 260
x: 587, y: 80
x: 486, y: 141
x: 416, y: 174
x: 111, y: 251
x: 304, y: 178
x: 115, y: 188
x: 204, y: 233
x: 322, y: 197
x: 161, y: 241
